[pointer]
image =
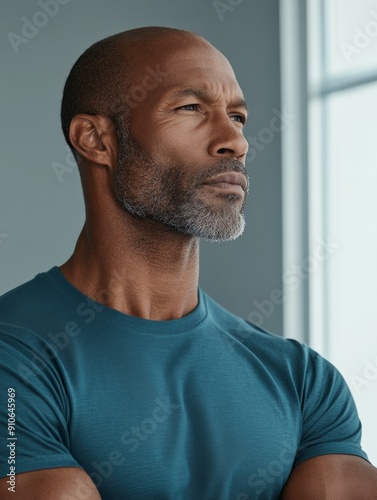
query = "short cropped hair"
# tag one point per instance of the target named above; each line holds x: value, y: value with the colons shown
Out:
x: 102, y: 74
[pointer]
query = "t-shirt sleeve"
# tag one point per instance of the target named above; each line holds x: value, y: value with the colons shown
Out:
x: 330, y: 423
x: 34, y: 408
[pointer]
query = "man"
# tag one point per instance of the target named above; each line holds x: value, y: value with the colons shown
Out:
x: 124, y: 379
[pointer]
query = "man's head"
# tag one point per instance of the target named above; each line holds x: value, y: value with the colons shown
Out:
x: 160, y: 109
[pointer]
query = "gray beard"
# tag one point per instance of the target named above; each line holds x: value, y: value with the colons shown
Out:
x: 148, y: 189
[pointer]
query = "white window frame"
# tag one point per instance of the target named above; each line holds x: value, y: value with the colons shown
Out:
x: 305, y: 91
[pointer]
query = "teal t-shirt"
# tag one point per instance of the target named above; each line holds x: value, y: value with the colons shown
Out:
x: 203, y: 407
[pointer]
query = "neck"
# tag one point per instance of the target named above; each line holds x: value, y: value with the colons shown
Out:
x: 138, y: 267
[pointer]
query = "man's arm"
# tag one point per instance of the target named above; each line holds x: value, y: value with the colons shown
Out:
x: 68, y: 483
x: 332, y: 477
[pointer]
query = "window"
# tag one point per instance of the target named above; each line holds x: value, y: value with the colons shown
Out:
x: 329, y: 80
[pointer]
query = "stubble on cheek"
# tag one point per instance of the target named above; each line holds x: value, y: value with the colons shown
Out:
x: 174, y: 194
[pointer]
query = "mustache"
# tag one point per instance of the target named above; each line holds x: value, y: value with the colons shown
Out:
x: 222, y: 167
x: 129, y: 146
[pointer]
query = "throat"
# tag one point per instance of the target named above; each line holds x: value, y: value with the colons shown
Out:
x: 147, y: 279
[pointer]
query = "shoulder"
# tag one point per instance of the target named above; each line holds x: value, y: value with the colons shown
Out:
x: 24, y: 320
x: 298, y: 368
x: 28, y: 304
x: 301, y: 382
x: 22, y: 298
x: 260, y: 341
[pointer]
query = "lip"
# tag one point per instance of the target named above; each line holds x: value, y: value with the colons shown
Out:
x: 235, y: 178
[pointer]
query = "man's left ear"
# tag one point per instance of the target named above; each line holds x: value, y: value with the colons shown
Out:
x: 93, y: 137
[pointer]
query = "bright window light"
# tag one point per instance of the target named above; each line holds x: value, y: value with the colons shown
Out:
x: 334, y: 43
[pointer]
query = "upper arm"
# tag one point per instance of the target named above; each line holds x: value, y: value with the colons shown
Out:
x: 329, y: 420
x: 34, y: 409
x: 328, y: 477
x: 69, y: 483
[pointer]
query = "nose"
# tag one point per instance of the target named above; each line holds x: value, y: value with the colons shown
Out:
x: 228, y: 140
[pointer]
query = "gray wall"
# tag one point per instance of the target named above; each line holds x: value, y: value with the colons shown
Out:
x: 41, y: 214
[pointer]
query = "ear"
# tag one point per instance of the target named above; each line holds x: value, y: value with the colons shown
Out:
x: 93, y: 137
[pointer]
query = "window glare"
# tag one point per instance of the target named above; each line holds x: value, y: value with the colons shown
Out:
x: 342, y: 42
x: 352, y: 217
x: 352, y: 35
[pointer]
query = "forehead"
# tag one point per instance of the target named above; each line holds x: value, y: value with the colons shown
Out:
x: 175, y: 66
x: 202, y: 84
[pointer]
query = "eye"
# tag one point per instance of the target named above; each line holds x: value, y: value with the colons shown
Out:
x: 186, y: 107
x: 238, y: 118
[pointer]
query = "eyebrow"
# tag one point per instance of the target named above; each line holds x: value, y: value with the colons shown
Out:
x: 206, y: 95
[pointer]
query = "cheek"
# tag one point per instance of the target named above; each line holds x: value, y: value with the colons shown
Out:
x: 180, y: 143
x: 172, y: 138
